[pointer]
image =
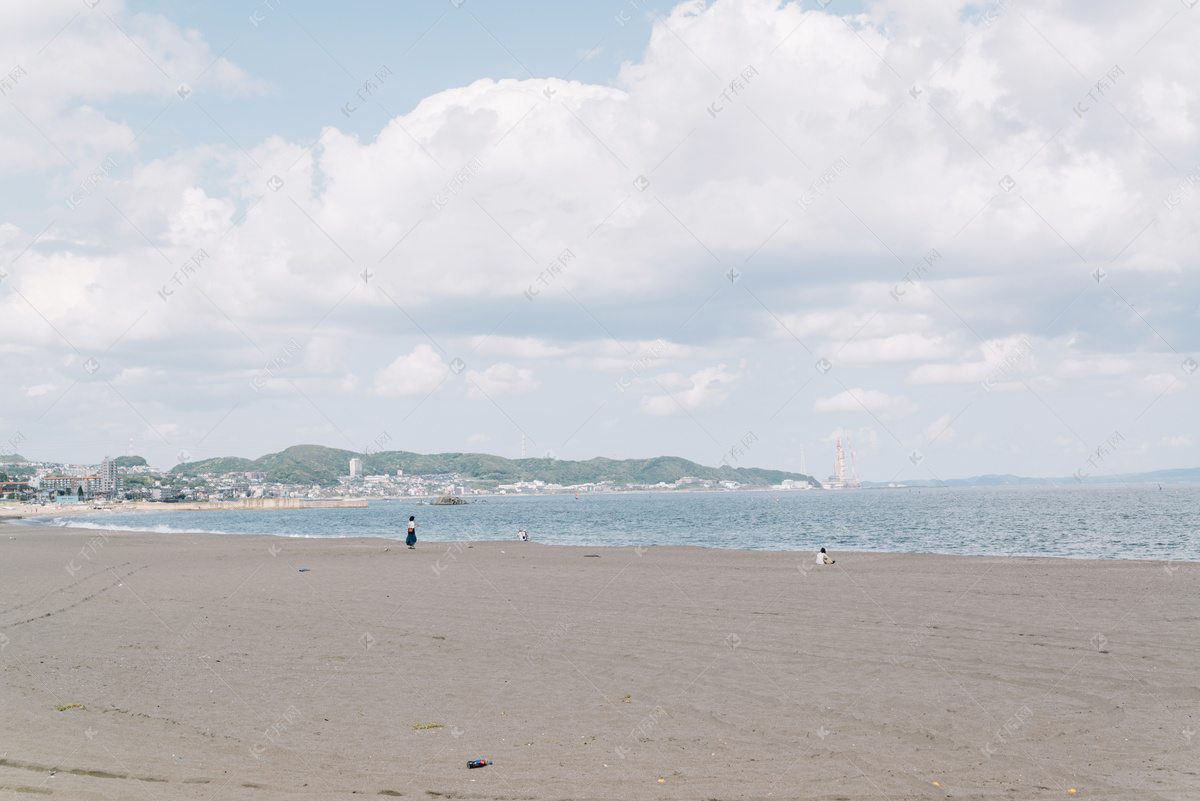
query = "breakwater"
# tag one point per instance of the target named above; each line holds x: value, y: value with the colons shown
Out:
x: 254, y: 503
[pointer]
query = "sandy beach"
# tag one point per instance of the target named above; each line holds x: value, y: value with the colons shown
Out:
x: 247, y: 667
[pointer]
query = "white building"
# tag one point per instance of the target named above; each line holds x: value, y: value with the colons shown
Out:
x: 356, y: 468
x: 110, y: 482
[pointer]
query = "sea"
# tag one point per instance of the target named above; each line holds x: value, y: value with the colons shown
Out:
x: 1088, y: 522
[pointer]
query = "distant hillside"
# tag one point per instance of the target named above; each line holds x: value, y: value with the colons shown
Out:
x: 131, y: 461
x: 1186, y: 475
x: 15, y: 458
x: 315, y: 464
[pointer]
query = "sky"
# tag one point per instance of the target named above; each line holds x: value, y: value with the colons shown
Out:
x: 960, y: 235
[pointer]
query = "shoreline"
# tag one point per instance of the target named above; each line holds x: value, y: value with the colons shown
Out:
x: 271, y: 669
x: 442, y: 546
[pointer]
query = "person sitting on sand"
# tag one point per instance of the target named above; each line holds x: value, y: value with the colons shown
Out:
x: 522, y: 536
x: 412, y: 533
x: 823, y: 558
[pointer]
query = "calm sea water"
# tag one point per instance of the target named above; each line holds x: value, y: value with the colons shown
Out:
x: 1119, y: 522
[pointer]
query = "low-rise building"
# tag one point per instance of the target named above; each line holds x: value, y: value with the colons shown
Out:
x: 71, y: 484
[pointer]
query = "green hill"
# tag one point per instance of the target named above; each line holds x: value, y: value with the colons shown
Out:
x: 315, y: 464
x: 131, y: 461
x: 12, y: 459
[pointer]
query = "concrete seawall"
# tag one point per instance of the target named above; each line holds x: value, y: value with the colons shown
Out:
x: 252, y: 503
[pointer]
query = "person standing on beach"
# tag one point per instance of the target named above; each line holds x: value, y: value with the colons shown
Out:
x: 411, y: 542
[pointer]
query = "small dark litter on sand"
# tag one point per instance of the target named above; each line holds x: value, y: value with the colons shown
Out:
x: 304, y: 570
x: 595, y: 555
x: 479, y: 763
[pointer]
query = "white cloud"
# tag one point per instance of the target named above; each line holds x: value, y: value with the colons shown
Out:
x: 139, y: 375
x: 939, y: 430
x: 998, y: 362
x: 519, y: 347
x: 144, y: 56
x: 37, y: 390
x: 346, y: 384
x: 1181, y: 441
x: 501, y: 379
x: 898, y: 348
x: 962, y: 373
x: 1148, y: 263
x: 556, y: 174
x: 842, y: 324
x: 1098, y: 367
x: 478, y: 439
x: 858, y: 399
x: 417, y: 373
x: 325, y: 355
x: 1161, y: 383
x: 704, y: 388
x: 861, y: 436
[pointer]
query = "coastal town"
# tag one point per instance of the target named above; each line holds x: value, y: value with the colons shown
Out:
x: 132, y: 479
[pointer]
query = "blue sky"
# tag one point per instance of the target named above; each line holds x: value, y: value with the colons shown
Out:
x: 957, y: 233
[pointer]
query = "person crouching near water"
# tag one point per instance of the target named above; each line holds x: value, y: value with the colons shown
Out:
x: 411, y: 542
x: 823, y: 558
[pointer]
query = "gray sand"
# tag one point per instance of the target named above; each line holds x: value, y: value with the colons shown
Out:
x: 211, y: 667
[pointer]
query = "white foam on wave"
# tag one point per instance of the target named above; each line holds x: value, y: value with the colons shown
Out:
x: 75, y: 522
